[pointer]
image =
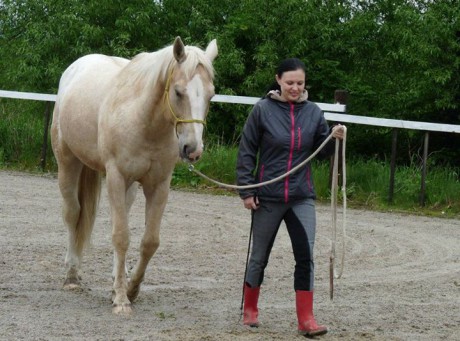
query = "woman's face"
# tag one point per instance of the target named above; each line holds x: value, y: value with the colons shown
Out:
x: 292, y: 84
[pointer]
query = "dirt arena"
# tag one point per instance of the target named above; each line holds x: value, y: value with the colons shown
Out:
x: 401, y: 279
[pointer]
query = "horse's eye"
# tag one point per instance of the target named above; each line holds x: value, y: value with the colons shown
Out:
x: 179, y: 90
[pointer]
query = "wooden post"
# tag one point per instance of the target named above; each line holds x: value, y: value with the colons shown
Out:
x: 394, y: 142
x: 424, y: 166
x: 45, y: 135
x: 340, y: 97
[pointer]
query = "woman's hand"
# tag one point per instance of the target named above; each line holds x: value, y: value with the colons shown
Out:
x: 338, y: 131
x: 251, y: 203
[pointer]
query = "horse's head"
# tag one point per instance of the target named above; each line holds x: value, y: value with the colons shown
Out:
x: 189, y: 89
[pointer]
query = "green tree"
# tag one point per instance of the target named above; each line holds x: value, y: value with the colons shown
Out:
x: 40, y: 38
x: 398, y: 58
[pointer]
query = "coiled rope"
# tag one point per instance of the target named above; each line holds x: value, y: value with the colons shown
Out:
x: 334, y: 192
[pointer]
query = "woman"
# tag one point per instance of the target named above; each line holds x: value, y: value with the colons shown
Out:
x: 283, y: 129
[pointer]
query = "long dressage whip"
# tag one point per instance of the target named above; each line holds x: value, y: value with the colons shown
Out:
x: 334, y: 192
x: 246, y: 265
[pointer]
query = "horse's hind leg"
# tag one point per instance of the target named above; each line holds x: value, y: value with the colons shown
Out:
x: 68, y: 177
x: 80, y: 188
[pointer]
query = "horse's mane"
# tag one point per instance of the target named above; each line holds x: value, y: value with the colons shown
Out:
x: 146, y: 69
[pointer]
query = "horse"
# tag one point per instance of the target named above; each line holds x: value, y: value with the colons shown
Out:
x: 132, y: 121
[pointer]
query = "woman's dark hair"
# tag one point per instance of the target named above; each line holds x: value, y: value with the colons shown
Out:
x: 289, y: 64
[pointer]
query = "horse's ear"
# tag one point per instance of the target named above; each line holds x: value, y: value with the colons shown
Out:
x: 211, y: 50
x: 179, y: 50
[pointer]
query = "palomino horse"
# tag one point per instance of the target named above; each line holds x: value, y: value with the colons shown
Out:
x: 131, y: 120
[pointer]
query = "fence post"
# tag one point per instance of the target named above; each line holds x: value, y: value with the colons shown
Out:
x: 340, y: 97
x: 424, y: 166
x: 394, y: 142
x: 45, y: 135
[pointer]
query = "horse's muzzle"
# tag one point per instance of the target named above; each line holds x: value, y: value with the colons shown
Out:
x: 191, y: 153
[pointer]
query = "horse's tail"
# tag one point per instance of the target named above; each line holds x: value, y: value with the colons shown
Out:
x: 89, y: 189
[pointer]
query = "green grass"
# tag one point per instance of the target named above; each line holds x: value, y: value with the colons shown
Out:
x: 218, y: 163
x: 21, y: 138
x: 367, y: 183
x: 21, y: 135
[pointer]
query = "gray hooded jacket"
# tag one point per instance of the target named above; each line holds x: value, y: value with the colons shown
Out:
x: 277, y: 136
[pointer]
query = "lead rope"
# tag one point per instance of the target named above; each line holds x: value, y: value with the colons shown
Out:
x: 334, y: 190
x: 260, y: 184
x: 334, y: 193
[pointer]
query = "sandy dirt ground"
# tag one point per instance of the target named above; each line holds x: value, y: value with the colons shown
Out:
x: 401, y: 279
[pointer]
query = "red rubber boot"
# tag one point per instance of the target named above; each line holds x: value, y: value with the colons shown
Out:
x: 304, y: 306
x: 250, y: 311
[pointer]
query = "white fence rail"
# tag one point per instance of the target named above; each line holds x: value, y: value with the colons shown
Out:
x: 27, y: 95
x: 332, y: 112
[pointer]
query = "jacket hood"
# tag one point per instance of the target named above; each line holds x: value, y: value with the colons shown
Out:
x: 276, y: 95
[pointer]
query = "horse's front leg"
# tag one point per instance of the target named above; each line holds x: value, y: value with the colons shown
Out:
x: 116, y: 188
x: 156, y: 199
x: 130, y: 197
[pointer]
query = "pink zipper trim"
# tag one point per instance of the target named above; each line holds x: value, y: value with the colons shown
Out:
x: 261, y: 175
x: 291, y: 152
x: 309, y: 180
x: 299, y: 137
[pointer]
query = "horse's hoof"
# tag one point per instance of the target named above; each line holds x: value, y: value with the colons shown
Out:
x: 72, y: 284
x: 122, y: 309
x: 133, y: 296
x: 133, y: 293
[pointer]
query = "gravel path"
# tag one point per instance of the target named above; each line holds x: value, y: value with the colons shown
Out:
x: 401, y: 280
